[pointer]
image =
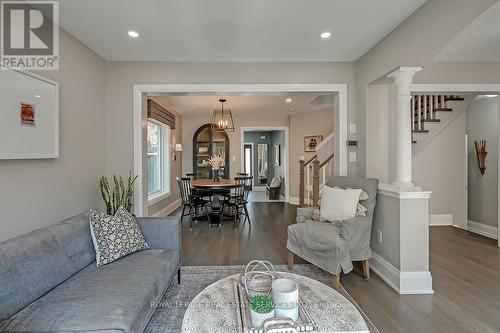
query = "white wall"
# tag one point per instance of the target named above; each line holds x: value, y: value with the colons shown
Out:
x: 36, y: 193
x: 482, y: 124
x: 440, y: 167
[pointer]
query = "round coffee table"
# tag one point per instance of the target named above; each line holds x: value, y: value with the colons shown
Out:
x: 214, y: 309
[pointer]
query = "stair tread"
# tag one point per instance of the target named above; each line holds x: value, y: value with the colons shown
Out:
x: 443, y: 109
x: 454, y: 99
x: 429, y: 121
x: 420, y: 131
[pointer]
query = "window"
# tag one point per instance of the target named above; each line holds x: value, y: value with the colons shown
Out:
x: 158, y: 140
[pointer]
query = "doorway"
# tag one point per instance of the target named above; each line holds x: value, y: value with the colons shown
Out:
x: 264, y: 157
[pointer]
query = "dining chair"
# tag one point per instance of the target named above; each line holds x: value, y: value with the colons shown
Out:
x: 238, y: 199
x: 248, y: 183
x: 191, y: 201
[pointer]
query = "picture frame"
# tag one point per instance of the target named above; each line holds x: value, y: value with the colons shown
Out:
x: 311, y: 142
x: 277, y: 155
x: 29, y: 128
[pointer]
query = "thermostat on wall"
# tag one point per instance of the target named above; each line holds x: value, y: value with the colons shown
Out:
x: 352, y: 144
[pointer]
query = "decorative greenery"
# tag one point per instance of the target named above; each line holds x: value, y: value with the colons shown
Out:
x: 121, y: 194
x: 262, y: 304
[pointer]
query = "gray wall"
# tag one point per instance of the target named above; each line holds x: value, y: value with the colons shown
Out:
x: 482, y: 124
x: 36, y: 193
x: 278, y: 138
x: 255, y: 138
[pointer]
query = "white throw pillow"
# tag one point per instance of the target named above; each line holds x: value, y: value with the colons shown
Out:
x: 115, y: 236
x: 338, y: 204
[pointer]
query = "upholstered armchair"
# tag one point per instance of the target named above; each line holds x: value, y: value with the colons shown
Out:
x: 331, y: 247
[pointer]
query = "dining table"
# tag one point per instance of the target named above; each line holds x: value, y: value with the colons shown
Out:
x: 216, y: 188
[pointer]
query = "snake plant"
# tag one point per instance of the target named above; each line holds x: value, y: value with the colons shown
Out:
x: 120, y: 195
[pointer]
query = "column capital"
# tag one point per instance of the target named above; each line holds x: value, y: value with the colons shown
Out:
x: 404, y: 75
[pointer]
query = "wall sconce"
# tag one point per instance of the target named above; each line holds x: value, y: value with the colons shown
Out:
x: 178, y: 148
x: 481, y: 155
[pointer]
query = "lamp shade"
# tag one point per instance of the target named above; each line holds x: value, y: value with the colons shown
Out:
x: 178, y: 147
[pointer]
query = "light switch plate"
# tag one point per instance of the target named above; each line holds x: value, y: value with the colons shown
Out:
x: 352, y: 156
x: 353, y: 129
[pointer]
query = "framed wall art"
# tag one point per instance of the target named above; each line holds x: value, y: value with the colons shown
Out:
x: 311, y: 142
x: 29, y: 116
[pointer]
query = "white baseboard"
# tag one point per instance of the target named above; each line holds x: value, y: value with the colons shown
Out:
x: 440, y: 219
x: 259, y: 188
x: 405, y: 283
x: 483, y: 229
x: 169, y: 209
x: 294, y: 201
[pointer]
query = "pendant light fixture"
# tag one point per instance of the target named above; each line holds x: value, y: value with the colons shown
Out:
x: 222, y: 119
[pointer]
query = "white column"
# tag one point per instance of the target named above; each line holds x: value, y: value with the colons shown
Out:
x: 403, y: 79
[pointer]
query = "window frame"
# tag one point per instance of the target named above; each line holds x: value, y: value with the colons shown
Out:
x: 165, y: 168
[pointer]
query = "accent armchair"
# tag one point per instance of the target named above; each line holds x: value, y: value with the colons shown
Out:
x: 331, y: 247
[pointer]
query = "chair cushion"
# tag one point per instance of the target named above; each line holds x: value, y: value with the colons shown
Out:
x: 321, y: 244
x: 117, y: 296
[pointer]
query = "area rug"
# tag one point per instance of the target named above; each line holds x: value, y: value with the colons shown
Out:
x: 168, y: 316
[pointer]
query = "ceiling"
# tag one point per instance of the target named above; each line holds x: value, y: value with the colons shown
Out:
x: 232, y: 30
x: 303, y: 102
x: 479, y: 41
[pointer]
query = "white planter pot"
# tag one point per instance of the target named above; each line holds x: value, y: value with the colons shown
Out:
x: 258, y: 318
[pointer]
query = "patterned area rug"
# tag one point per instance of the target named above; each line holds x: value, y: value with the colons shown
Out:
x: 168, y: 316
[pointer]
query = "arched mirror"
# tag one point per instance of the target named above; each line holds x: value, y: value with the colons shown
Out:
x: 205, y: 144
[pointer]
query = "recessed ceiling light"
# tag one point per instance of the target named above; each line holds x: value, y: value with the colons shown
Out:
x: 288, y: 100
x: 491, y: 96
x: 325, y: 35
x: 133, y: 34
x: 37, y: 96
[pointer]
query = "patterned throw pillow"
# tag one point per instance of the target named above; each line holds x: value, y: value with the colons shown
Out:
x: 115, y: 236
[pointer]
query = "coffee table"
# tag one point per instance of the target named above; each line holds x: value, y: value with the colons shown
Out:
x: 214, y: 309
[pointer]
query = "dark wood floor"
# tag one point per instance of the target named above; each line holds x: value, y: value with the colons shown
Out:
x: 465, y: 268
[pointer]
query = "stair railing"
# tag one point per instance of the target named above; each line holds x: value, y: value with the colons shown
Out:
x: 315, y: 172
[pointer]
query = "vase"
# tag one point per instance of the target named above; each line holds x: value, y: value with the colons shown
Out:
x: 216, y: 175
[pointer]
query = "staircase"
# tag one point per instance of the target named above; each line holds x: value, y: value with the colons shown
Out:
x: 315, y: 172
x: 430, y: 114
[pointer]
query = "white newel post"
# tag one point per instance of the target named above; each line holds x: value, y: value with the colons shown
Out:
x: 403, y: 79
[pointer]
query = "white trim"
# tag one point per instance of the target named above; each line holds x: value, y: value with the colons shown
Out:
x: 440, y: 219
x: 157, y: 198
x: 392, y: 191
x: 482, y: 229
x: 285, y: 158
x: 456, y: 88
x: 259, y: 187
x: 169, y: 209
x: 139, y: 90
x: 294, y: 201
x: 385, y: 270
x: 405, y: 283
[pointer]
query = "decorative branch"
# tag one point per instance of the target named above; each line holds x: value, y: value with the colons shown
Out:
x: 481, y: 155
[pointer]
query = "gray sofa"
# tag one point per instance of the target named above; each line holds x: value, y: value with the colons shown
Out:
x: 334, y: 247
x: 49, y: 281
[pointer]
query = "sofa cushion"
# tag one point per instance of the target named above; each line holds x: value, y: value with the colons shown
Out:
x: 116, y: 236
x: 33, y: 264
x: 117, y: 296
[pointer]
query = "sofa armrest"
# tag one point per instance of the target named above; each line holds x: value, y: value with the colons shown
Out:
x: 161, y: 233
x: 304, y: 214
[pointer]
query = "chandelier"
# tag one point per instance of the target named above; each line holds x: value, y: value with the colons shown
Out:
x: 222, y: 119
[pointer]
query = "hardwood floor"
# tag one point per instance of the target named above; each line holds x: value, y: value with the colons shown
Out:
x: 465, y: 268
